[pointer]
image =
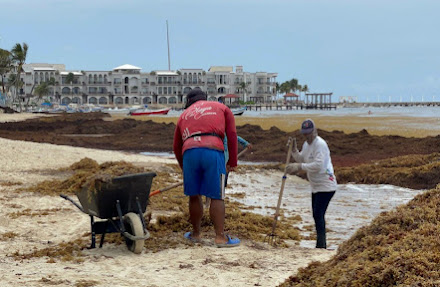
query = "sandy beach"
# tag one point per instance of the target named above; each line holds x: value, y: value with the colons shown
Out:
x: 30, y: 222
x: 25, y: 163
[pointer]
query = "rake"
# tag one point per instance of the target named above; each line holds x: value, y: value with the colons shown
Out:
x: 272, y: 238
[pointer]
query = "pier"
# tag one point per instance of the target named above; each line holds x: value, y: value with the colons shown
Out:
x: 389, y: 104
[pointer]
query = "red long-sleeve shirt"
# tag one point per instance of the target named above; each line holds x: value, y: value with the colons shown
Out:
x: 206, y: 117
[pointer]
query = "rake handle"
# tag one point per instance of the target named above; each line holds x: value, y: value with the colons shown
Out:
x: 283, y: 182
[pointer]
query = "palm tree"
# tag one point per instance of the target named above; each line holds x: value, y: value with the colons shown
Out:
x: 285, y: 87
x: 299, y: 88
x: 42, y: 90
x: 14, y: 81
x: 5, y: 65
x: 69, y: 79
x: 293, y: 84
x: 243, y: 87
x: 305, y: 89
x: 19, y: 53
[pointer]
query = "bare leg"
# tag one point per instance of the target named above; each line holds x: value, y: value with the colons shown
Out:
x: 217, y: 214
x: 195, y: 214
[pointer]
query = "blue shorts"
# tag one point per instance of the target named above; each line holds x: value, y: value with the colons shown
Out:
x: 204, y: 172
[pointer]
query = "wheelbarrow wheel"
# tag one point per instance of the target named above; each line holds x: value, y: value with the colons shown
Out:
x: 133, y: 225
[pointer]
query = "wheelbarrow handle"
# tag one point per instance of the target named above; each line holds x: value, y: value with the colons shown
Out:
x: 72, y: 201
x: 166, y: 188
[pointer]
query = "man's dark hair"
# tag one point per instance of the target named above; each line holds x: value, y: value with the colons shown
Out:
x: 194, y: 96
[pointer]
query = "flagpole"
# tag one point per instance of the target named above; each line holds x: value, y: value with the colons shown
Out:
x: 168, y: 43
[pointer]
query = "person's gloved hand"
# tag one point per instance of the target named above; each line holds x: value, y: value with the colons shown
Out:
x: 295, y: 155
x: 293, y: 168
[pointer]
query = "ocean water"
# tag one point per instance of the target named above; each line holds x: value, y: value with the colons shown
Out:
x: 415, y: 111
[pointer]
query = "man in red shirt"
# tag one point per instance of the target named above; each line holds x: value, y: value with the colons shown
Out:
x: 198, y: 147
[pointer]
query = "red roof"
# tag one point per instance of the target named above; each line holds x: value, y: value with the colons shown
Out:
x: 290, y: 95
x: 231, y: 96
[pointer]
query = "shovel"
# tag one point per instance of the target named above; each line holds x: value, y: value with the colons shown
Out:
x: 177, y: 184
x: 272, y: 238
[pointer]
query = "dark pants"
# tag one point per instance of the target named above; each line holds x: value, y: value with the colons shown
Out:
x: 320, y: 201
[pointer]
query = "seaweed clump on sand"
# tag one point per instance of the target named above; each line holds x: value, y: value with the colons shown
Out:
x: 171, y: 208
x: 399, y: 248
x: 86, y: 172
x: 411, y: 171
x: 168, y: 230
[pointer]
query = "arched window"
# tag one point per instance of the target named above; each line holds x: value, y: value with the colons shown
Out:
x: 95, y: 79
x: 65, y: 91
x: 186, y: 90
x: 76, y: 100
x: 103, y: 101
x: 146, y: 100
x: 93, y: 100
x: 119, y: 101
x: 126, y: 80
x: 90, y: 79
x: 100, y: 79
x: 172, y: 100
x: 75, y: 90
x: 162, y: 100
x: 65, y: 101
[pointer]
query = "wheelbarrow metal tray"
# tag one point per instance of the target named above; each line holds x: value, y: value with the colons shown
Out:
x: 101, y: 202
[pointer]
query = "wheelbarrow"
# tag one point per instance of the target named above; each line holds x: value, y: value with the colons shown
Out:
x: 120, y: 204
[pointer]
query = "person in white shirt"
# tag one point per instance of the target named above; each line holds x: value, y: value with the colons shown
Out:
x: 314, y: 158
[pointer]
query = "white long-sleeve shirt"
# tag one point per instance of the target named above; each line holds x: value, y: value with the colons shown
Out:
x: 315, y: 159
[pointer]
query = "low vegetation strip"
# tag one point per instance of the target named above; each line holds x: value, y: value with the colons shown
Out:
x: 399, y: 248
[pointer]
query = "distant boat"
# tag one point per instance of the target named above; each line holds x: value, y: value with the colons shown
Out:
x: 238, y: 112
x: 117, y: 110
x: 147, y: 112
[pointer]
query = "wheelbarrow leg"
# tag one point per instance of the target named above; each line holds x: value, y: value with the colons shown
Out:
x: 92, y: 223
x: 121, y: 221
x: 101, y: 242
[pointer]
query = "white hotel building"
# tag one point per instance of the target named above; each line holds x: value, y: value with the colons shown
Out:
x: 127, y: 85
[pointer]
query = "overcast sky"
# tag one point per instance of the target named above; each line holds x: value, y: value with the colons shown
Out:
x: 373, y: 50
